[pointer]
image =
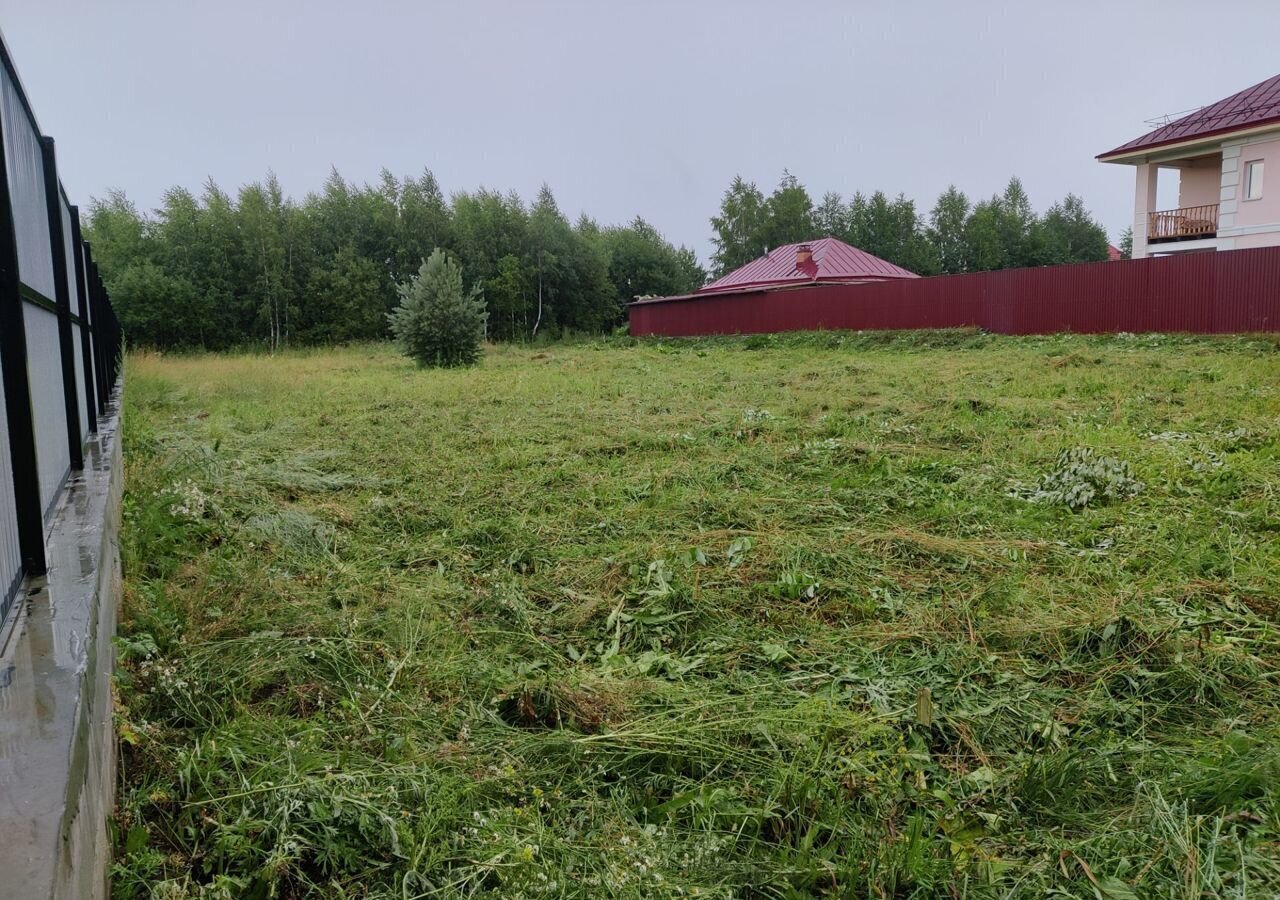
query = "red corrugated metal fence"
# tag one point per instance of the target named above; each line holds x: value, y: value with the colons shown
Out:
x: 1229, y: 291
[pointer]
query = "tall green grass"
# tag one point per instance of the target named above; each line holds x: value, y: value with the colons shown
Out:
x: 786, y: 616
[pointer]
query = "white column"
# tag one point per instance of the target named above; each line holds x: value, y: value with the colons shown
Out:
x: 1228, y: 199
x: 1144, y: 203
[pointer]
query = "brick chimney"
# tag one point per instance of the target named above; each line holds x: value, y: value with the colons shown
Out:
x: 804, y: 261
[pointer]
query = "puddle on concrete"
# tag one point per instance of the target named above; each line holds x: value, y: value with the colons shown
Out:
x: 54, y: 710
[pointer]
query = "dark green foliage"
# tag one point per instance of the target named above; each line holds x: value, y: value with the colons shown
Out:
x: 831, y: 216
x: 947, y: 230
x: 641, y: 263
x: 347, y: 300
x: 1015, y: 224
x: 568, y: 273
x: 508, y: 295
x: 788, y: 213
x: 438, y: 323
x: 1000, y: 233
x: 120, y: 235
x: 259, y: 268
x: 692, y: 274
x: 984, y: 244
x: 1069, y: 234
x: 216, y: 271
x: 740, y: 227
x: 152, y: 301
x: 892, y: 230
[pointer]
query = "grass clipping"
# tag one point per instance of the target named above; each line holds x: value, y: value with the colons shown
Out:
x: 1083, y: 478
x: 592, y: 623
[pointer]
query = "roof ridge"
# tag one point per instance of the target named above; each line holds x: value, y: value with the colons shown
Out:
x: 1255, y: 105
x: 833, y: 260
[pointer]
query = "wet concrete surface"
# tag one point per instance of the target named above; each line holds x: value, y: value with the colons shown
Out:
x: 57, y: 765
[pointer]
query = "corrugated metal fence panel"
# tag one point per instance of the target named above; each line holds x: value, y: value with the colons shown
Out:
x: 75, y: 286
x: 77, y: 352
x: 86, y: 308
x: 1247, y: 310
x: 10, y: 549
x: 91, y: 361
x: 1228, y: 291
x: 48, y: 405
x: 25, y: 163
x: 69, y: 251
x: 32, y: 479
x: 87, y: 311
x: 1179, y: 296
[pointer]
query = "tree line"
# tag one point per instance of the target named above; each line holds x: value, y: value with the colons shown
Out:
x: 216, y: 270
x: 957, y: 235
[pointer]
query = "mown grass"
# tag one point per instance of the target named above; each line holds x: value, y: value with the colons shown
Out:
x: 762, y: 617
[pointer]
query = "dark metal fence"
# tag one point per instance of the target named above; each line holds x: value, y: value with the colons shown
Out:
x: 1224, y: 292
x: 60, y: 342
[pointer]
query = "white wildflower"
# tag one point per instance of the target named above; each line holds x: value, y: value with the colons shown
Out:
x: 189, y: 502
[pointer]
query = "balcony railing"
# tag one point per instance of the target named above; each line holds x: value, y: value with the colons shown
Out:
x: 1189, y: 222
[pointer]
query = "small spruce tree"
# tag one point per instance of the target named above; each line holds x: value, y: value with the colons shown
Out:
x: 438, y: 323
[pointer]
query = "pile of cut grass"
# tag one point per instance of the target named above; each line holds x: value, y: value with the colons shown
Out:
x: 819, y: 615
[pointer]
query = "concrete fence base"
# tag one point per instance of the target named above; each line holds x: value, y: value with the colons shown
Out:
x: 57, y: 749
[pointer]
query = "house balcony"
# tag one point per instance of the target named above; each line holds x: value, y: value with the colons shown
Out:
x: 1187, y: 223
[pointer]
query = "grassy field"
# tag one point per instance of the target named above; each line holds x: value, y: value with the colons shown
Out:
x: 944, y: 615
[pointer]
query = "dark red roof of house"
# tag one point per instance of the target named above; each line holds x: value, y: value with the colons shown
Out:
x: 1252, y: 106
x: 833, y: 260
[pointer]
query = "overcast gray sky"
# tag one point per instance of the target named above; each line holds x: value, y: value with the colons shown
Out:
x: 627, y: 108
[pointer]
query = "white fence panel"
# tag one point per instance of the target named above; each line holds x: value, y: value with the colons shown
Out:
x: 10, y: 549
x: 88, y: 318
x: 48, y: 404
x: 69, y: 252
x: 77, y: 351
x: 26, y: 190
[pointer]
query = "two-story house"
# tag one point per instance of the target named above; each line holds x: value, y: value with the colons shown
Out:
x: 1222, y: 153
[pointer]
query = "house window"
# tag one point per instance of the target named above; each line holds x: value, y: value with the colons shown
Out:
x: 1253, y: 180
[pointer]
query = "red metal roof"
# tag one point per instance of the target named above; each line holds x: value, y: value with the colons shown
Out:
x: 1252, y: 106
x: 833, y: 261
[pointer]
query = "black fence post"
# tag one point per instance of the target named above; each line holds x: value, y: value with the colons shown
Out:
x: 99, y: 330
x: 17, y: 390
x: 113, y: 350
x: 117, y: 339
x: 82, y: 310
x: 117, y: 345
x: 62, y: 297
